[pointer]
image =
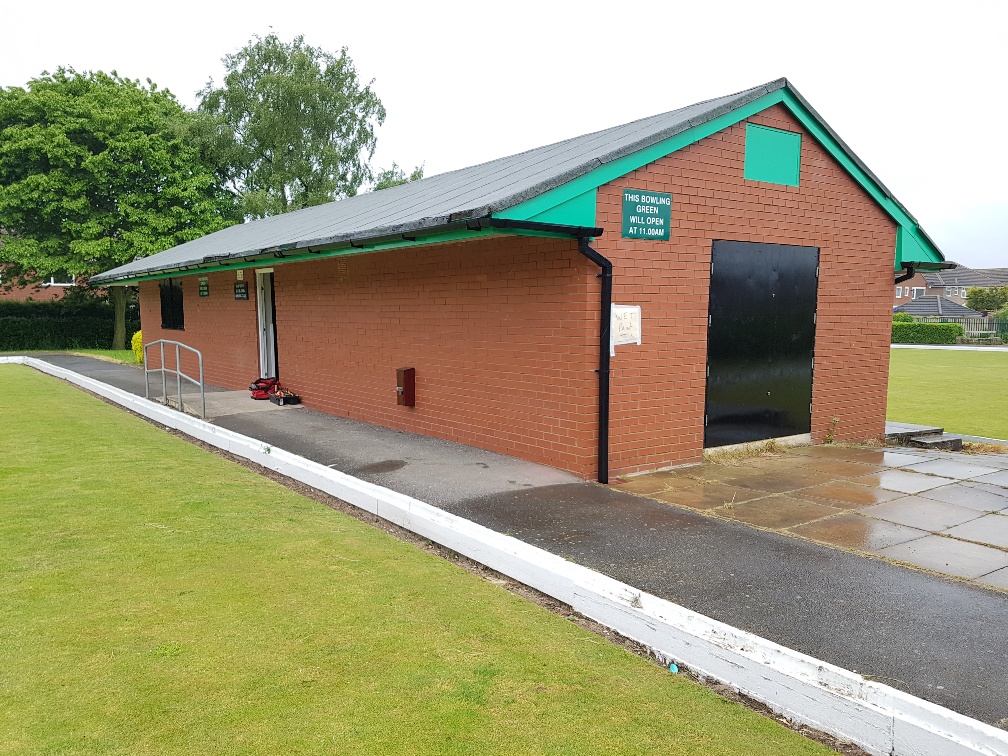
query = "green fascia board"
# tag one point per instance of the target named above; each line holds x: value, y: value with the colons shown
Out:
x: 272, y: 259
x: 540, y: 205
x: 772, y: 155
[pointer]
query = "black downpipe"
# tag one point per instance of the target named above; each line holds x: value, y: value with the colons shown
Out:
x: 603, y: 368
x: 906, y: 276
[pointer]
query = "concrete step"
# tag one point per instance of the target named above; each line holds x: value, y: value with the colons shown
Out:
x: 944, y: 442
x: 901, y: 433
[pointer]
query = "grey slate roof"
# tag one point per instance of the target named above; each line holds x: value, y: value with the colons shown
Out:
x: 960, y: 276
x: 432, y: 203
x: 998, y: 274
x: 935, y: 307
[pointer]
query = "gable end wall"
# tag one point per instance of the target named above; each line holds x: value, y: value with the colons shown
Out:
x: 658, y: 389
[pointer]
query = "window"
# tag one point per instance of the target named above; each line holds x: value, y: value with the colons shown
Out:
x: 172, y: 315
x: 899, y: 292
x: 61, y: 278
x: 948, y: 291
x: 772, y: 155
x: 906, y: 291
x: 918, y: 291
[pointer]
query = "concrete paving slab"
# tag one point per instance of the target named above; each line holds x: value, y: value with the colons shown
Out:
x: 997, y: 479
x: 776, y: 481
x: 777, y: 512
x: 902, y: 481
x: 990, y: 529
x: 998, y: 578
x: 918, y: 512
x: 849, y: 495
x: 949, y: 469
x: 841, y: 468
x: 656, y: 482
x: 949, y: 556
x: 854, y: 531
x: 707, y: 496
x: 899, y: 459
x: 974, y: 496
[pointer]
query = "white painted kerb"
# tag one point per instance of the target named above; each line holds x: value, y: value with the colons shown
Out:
x: 880, y: 719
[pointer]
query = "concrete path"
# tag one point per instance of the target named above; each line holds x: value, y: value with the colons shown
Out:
x: 942, y: 640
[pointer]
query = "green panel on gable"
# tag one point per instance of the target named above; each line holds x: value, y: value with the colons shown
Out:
x: 772, y: 155
x: 908, y: 249
x: 577, y: 211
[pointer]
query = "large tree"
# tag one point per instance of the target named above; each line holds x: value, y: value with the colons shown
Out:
x: 296, y: 127
x: 96, y: 171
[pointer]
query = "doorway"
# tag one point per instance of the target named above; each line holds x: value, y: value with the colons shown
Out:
x: 266, y: 305
x: 760, y: 341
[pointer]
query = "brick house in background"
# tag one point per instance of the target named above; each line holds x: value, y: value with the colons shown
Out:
x: 608, y: 304
x: 52, y: 288
x: 951, y: 284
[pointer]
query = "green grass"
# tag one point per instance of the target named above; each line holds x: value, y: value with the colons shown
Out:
x: 961, y: 391
x: 155, y: 598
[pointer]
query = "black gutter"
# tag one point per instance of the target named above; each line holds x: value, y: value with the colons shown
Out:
x: 603, y: 368
x: 909, y: 268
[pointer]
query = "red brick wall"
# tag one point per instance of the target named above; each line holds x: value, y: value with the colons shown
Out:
x: 502, y: 333
x: 658, y: 389
x: 222, y: 328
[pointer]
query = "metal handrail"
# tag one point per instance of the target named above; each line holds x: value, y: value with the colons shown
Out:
x: 177, y: 372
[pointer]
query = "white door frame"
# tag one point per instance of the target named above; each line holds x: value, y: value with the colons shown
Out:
x: 267, y: 335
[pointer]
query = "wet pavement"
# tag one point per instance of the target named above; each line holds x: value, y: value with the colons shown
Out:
x: 940, y: 511
x: 772, y: 545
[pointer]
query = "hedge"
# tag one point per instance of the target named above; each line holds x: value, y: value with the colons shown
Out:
x: 73, y: 324
x: 925, y: 333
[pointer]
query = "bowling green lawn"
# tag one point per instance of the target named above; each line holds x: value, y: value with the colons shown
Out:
x: 961, y: 391
x: 157, y: 598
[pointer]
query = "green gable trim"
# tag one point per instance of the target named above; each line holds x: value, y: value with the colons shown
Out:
x: 299, y: 255
x: 922, y: 250
x: 577, y: 211
x: 772, y: 155
x: 629, y: 163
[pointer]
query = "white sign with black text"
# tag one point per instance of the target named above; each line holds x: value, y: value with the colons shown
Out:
x: 625, y: 326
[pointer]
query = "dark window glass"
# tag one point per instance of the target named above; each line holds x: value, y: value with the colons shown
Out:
x: 172, y: 314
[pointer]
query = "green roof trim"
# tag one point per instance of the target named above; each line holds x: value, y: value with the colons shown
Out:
x: 568, y: 203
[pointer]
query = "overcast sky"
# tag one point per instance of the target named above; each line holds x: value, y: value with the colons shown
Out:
x: 918, y: 94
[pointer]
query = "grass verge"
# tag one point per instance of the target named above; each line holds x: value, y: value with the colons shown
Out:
x: 125, y: 356
x: 159, y: 599
x: 961, y: 391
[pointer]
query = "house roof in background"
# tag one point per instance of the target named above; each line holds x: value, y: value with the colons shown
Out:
x: 396, y: 216
x: 961, y: 276
x: 998, y: 274
x: 936, y: 307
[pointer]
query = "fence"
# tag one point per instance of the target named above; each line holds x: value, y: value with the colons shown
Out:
x: 973, y: 328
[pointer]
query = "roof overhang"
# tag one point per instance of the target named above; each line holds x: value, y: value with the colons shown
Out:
x: 447, y: 231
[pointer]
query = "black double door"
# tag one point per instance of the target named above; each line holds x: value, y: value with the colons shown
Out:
x: 760, y: 341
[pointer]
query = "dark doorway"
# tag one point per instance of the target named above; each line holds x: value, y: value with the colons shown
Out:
x: 760, y: 341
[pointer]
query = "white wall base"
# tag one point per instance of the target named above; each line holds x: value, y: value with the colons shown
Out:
x: 880, y: 719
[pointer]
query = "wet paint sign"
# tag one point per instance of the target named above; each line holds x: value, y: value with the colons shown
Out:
x: 646, y: 215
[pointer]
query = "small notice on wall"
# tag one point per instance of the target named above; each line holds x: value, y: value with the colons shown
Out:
x: 625, y: 326
x: 241, y: 290
x: 646, y: 215
x: 204, y: 286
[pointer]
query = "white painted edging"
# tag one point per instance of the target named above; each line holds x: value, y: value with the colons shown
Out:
x: 880, y: 719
